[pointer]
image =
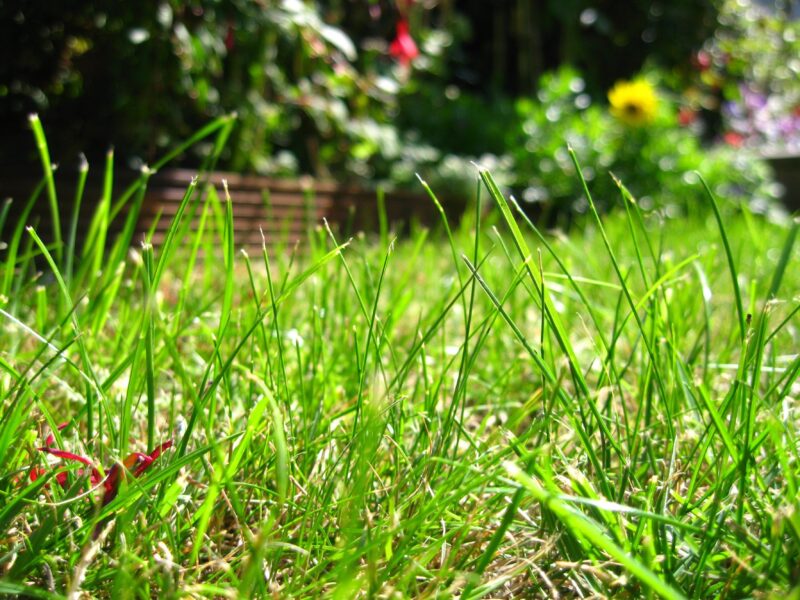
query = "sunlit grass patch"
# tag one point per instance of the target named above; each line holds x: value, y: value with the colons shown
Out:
x: 486, y: 410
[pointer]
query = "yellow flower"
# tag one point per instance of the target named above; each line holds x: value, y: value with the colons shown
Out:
x: 633, y: 102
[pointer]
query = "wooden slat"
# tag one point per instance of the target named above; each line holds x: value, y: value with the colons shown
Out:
x: 278, y: 207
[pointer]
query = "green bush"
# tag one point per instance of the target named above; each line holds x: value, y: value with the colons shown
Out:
x: 309, y: 98
x: 654, y: 160
x: 314, y: 99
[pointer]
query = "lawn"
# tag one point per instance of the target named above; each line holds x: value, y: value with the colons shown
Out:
x: 483, y: 410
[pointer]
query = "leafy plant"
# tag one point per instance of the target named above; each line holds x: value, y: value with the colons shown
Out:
x: 655, y: 159
x: 309, y: 98
x: 754, y: 59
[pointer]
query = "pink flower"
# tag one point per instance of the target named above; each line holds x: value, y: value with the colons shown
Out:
x: 403, y: 48
x: 702, y: 60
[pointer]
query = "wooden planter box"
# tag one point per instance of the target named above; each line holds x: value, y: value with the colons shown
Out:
x: 285, y: 210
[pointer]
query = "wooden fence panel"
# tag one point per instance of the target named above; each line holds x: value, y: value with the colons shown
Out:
x: 283, y: 209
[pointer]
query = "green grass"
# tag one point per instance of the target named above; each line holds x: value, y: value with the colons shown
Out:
x: 488, y: 410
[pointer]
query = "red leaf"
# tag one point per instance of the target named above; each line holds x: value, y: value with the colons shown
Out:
x: 66, y: 455
x: 137, y: 463
x: 51, y: 438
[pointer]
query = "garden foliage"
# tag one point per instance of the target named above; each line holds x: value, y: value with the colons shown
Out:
x: 382, y: 91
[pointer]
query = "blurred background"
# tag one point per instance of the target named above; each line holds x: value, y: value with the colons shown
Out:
x: 374, y: 91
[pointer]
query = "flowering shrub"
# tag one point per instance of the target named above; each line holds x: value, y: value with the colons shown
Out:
x: 766, y: 121
x: 307, y: 80
x: 749, y: 73
x: 638, y: 138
